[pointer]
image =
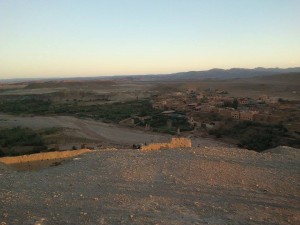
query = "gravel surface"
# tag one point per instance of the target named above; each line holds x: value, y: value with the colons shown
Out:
x: 212, y: 185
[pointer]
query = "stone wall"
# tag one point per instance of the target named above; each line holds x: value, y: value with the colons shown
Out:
x: 175, y: 143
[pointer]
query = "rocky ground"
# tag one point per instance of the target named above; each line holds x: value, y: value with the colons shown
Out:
x: 203, y: 185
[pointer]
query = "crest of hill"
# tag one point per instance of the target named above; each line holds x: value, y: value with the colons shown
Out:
x: 109, y: 80
x: 234, y: 73
x: 284, y: 150
x: 219, y: 74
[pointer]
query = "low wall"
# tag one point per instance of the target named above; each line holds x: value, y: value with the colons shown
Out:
x: 175, y: 143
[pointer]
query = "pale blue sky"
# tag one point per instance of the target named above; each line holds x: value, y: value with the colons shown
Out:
x: 43, y: 38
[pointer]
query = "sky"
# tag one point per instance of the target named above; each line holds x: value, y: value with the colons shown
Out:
x: 67, y: 38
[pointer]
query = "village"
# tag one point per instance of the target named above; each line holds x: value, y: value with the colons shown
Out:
x: 211, y: 107
x: 200, y: 110
x: 207, y: 112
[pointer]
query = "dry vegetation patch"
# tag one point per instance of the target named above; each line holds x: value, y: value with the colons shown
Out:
x: 175, y: 143
x: 41, y: 160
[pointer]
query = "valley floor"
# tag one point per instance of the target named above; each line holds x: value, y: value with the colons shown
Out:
x: 94, y: 132
x: 83, y: 128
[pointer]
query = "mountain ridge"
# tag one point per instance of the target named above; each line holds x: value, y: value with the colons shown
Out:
x: 215, y: 73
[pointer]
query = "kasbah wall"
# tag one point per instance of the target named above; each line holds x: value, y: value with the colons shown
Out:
x: 175, y: 143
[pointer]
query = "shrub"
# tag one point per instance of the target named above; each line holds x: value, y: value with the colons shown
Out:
x: 27, y: 106
x: 259, y: 140
x: 253, y: 135
x: 20, y: 137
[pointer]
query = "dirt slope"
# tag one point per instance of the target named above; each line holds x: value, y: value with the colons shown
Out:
x: 194, y: 186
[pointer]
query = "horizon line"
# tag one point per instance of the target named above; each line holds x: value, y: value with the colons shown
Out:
x: 150, y: 74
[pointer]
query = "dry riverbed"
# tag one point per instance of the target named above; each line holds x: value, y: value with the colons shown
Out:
x: 84, y: 128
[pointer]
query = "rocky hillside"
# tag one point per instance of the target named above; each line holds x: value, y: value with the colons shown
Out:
x: 204, y: 185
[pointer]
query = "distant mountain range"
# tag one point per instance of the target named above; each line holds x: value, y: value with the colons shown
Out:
x: 207, y: 74
x: 222, y: 74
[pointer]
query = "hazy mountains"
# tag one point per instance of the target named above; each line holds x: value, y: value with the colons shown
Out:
x: 207, y: 74
x: 222, y: 74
